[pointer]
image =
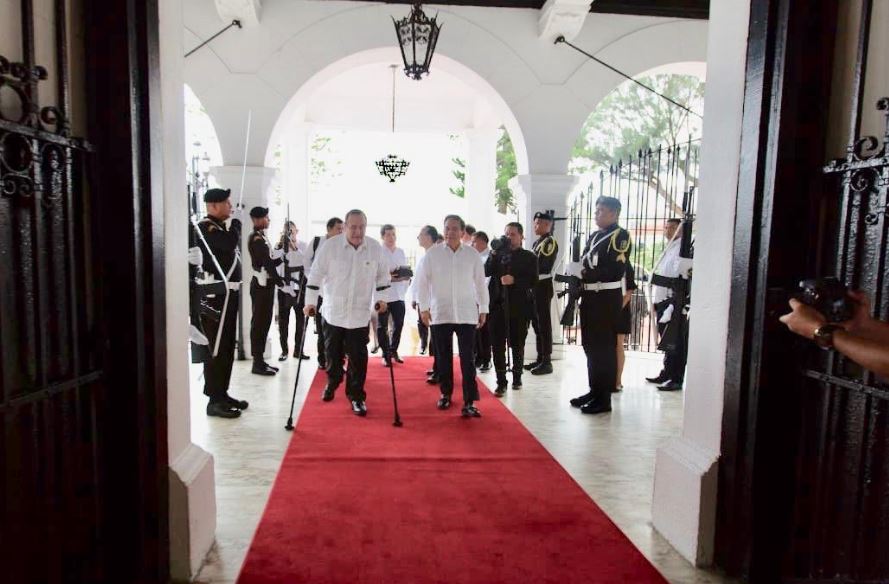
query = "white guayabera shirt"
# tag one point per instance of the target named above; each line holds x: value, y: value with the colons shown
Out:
x: 451, y: 285
x: 396, y: 259
x: 350, y: 279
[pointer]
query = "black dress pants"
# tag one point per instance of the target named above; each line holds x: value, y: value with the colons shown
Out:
x: 599, y: 317
x: 218, y: 370
x: 423, y: 331
x: 319, y: 331
x: 286, y: 304
x: 396, y: 310
x: 483, y: 344
x: 518, y: 332
x: 263, y: 306
x: 444, y: 351
x: 341, y: 343
x: 543, y: 324
x: 674, y: 361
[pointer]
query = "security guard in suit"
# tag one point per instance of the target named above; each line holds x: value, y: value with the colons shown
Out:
x: 546, y: 248
x: 603, y: 269
x: 262, y: 288
x: 222, y: 265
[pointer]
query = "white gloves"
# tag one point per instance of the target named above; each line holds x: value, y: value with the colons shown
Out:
x: 685, y: 267
x: 277, y: 253
x: 667, y: 316
x: 195, y: 256
x: 197, y: 337
x: 288, y: 289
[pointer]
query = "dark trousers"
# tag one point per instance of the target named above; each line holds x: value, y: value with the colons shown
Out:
x: 674, y: 361
x: 396, y: 310
x: 543, y: 324
x: 423, y: 331
x: 319, y: 331
x: 218, y: 370
x: 599, y: 316
x: 444, y: 349
x: 518, y: 331
x: 261, y: 321
x: 286, y: 304
x: 341, y: 343
x: 483, y: 344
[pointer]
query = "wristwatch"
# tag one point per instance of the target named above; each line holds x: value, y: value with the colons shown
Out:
x: 824, y: 335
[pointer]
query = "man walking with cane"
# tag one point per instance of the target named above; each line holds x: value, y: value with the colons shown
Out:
x: 350, y: 272
x: 453, y: 300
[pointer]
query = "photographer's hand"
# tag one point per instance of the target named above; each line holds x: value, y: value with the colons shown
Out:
x: 804, y: 320
x: 481, y: 320
x: 426, y: 317
x: 507, y: 280
x: 862, y: 323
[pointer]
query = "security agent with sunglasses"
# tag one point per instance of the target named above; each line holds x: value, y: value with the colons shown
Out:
x: 602, y: 270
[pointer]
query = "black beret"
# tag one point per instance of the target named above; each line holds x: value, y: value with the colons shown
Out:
x: 259, y: 212
x: 216, y: 195
x: 543, y: 215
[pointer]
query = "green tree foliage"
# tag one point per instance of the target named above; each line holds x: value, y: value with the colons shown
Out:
x: 632, y: 119
x: 504, y: 199
x: 459, y: 172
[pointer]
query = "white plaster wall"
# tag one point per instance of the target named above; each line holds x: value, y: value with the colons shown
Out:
x: 551, y: 89
x: 192, y: 489
x: 684, y: 502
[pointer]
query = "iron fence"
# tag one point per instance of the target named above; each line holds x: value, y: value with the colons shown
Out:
x: 651, y: 187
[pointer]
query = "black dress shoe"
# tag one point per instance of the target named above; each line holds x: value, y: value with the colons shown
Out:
x: 240, y: 404
x: 501, y: 389
x: 470, y: 411
x: 422, y: 350
x: 531, y: 365
x: 660, y: 378
x: 517, y: 383
x: 486, y: 366
x: 222, y: 410
x: 444, y: 402
x: 328, y: 393
x: 386, y: 362
x: 433, y: 380
x: 282, y: 356
x: 581, y: 400
x: 272, y: 367
x: 358, y: 408
x: 430, y: 372
x: 298, y: 356
x: 397, y: 358
x: 670, y: 386
x: 261, y: 369
x: 374, y: 350
x: 595, y: 407
x: 322, y: 363
x: 544, y: 368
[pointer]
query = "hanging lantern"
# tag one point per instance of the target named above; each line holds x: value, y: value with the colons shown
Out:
x: 417, y: 37
x: 392, y: 166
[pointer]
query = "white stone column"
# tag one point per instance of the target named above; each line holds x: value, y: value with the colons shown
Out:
x: 481, y: 177
x: 685, y: 481
x: 257, y: 180
x: 542, y: 192
x: 192, y: 488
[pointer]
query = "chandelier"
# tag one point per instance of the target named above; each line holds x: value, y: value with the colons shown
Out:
x: 392, y: 166
x: 417, y: 37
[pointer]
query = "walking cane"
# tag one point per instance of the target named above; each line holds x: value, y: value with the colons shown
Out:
x: 387, y: 353
x: 299, y: 366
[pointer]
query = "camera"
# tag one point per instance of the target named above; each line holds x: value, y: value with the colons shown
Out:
x: 402, y: 272
x: 501, y: 243
x: 828, y: 296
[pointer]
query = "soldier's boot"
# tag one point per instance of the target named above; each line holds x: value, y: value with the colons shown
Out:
x: 502, y: 384
x: 544, y: 368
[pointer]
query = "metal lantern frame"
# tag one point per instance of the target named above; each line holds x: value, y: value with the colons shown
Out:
x: 393, y: 166
x: 417, y: 37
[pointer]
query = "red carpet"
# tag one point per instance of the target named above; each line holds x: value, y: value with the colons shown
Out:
x: 442, y: 499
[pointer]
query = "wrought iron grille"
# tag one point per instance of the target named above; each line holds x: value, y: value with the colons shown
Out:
x: 50, y: 372
x: 650, y: 187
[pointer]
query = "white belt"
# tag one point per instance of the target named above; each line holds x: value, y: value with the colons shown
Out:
x: 234, y: 286
x: 544, y: 276
x: 599, y: 286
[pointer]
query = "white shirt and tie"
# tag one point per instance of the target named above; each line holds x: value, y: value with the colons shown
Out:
x: 350, y: 279
x: 451, y: 285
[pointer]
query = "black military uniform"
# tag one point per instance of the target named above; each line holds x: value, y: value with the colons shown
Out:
x: 603, y: 275
x: 547, y: 250
x: 262, y: 292
x: 510, y: 310
x: 220, y: 321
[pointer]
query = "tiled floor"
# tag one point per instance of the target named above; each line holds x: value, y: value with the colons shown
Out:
x: 611, y: 456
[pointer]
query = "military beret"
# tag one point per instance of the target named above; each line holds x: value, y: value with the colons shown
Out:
x: 216, y: 195
x: 543, y: 215
x: 259, y: 212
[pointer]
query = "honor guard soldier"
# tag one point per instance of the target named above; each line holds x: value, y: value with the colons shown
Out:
x: 222, y: 264
x: 262, y: 288
x: 291, y: 296
x: 603, y: 269
x: 547, y: 251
